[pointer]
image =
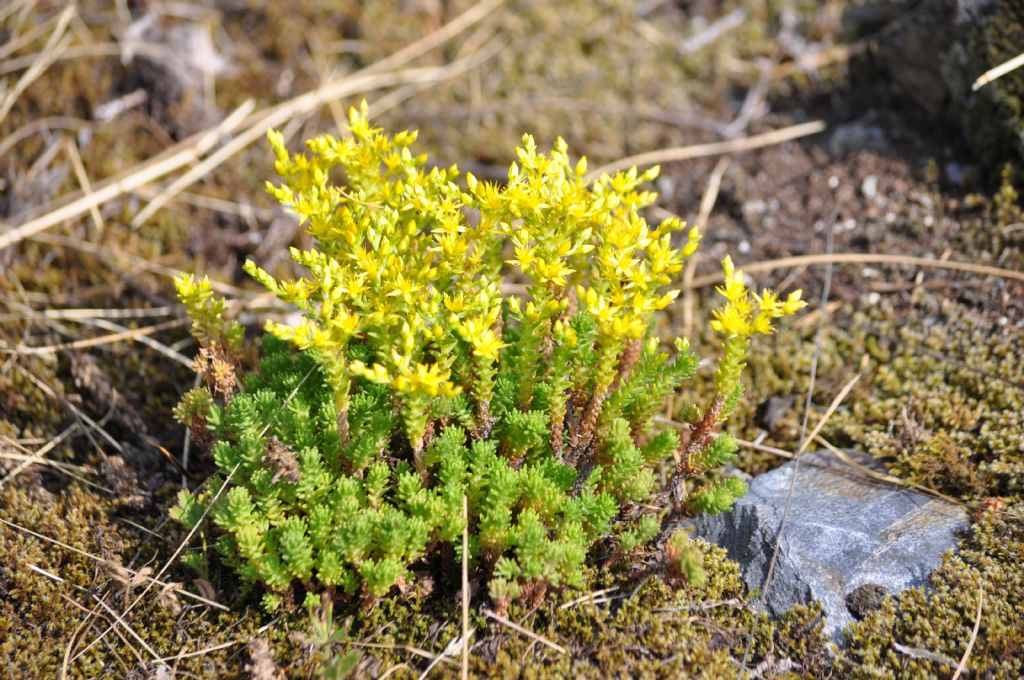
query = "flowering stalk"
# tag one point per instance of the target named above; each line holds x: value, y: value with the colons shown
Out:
x: 743, y: 315
x: 409, y: 383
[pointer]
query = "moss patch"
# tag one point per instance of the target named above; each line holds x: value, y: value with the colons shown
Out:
x: 925, y: 633
x: 635, y: 624
x: 633, y: 627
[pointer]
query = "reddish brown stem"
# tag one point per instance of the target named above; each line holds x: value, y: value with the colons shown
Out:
x: 627, y: 360
x: 699, y: 439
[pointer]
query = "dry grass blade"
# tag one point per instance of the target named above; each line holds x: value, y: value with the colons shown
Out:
x: 299, y: 106
x: 707, y: 201
x: 201, y: 652
x: 974, y: 634
x: 206, y: 511
x: 864, y: 258
x: 589, y: 597
x: 54, y: 45
x: 753, y: 446
x: 194, y: 148
x: 105, y: 562
x: 63, y: 468
x: 101, y: 340
x: 731, y: 146
x: 246, y: 211
x: 465, y: 589
x: 661, y: 420
x: 808, y: 398
x: 525, y: 631
x: 117, y: 617
x: 405, y: 648
x: 75, y: 411
x: 83, y: 181
x: 16, y: 43
x: 182, y: 154
x: 66, y: 662
x: 926, y: 654
x: 828, y: 412
x: 107, y: 49
x: 15, y: 6
x: 49, y: 123
x: 903, y: 483
x: 40, y: 454
x: 998, y: 72
x: 86, y: 313
x: 873, y: 474
x: 160, y: 347
x: 442, y: 35
x: 143, y: 264
x: 457, y: 645
x: 707, y: 204
x: 373, y: 77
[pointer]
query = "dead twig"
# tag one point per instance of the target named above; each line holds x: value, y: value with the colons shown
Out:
x: 465, y: 588
x: 185, y: 153
x: 109, y: 563
x: 974, y: 633
x: 101, y: 340
x: 55, y: 44
x: 864, y: 258
x: 731, y: 146
x: 998, y: 72
x: 525, y: 631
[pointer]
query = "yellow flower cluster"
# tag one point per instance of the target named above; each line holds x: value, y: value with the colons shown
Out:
x: 565, y: 232
x: 400, y: 270
x: 746, y: 313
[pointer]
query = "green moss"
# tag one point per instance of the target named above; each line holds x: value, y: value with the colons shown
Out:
x: 939, y: 404
x: 631, y: 626
x: 946, y: 403
x: 909, y: 635
x: 603, y: 73
x: 634, y: 623
x: 992, y: 119
x: 39, y: 618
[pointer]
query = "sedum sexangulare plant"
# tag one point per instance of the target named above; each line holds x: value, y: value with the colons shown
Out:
x: 460, y: 338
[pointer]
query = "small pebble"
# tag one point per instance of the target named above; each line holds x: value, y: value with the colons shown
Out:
x: 666, y: 187
x: 865, y: 600
x: 869, y: 187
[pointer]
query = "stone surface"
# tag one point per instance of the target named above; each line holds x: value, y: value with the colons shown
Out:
x: 910, y: 42
x: 844, y: 532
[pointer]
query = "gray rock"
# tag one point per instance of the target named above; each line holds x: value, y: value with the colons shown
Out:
x: 912, y: 40
x: 844, y: 531
x: 857, y: 136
